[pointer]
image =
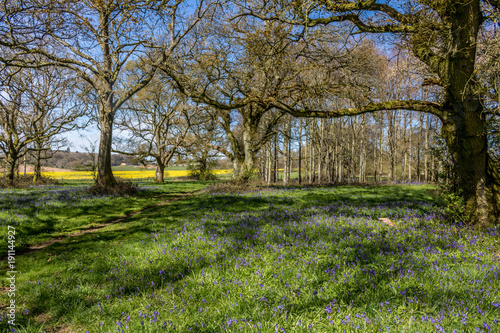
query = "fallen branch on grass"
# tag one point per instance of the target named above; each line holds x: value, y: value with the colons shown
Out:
x: 387, y: 221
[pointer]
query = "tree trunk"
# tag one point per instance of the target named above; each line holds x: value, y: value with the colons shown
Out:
x: 404, y: 151
x: 275, y: 159
x: 300, y: 151
x: 160, y: 170
x: 419, y: 144
x: 381, y: 149
x: 11, y: 169
x: 286, y: 156
x: 465, y: 129
x: 410, y: 149
x: 426, y: 151
x: 263, y: 164
x: 313, y: 165
x: 336, y: 160
x: 246, y: 171
x: 328, y: 167
x: 104, y: 173
x: 375, y: 148
x: 269, y: 163
x: 236, y: 168
x: 307, y: 151
x: 38, y: 166
x: 290, y: 160
x: 467, y: 142
x: 320, y: 150
x: 362, y: 151
x: 392, y: 152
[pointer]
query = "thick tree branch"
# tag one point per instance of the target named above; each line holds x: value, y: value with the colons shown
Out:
x: 412, y: 105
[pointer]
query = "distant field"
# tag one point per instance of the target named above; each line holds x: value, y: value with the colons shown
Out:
x: 126, y: 168
x: 139, y: 168
x: 131, y: 174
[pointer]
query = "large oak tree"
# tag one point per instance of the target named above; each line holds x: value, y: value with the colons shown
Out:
x: 241, y: 67
x: 444, y: 36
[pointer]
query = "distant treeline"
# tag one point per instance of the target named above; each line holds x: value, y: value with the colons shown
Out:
x: 81, y: 161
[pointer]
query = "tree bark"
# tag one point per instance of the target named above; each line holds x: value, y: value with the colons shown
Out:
x: 465, y: 131
x: 300, y: 151
x: 286, y: 156
x: 104, y: 172
x: 269, y: 163
x: 392, y: 148
x: 160, y: 170
x: 404, y: 151
x: 11, y: 169
x: 313, y: 164
x: 37, y: 174
x: 467, y: 141
x: 426, y: 151
x: 381, y: 154
x: 410, y: 149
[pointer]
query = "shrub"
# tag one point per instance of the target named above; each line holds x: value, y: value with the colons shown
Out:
x: 235, y: 186
x: 202, y: 170
x: 120, y: 188
x: 455, y: 208
x: 25, y: 181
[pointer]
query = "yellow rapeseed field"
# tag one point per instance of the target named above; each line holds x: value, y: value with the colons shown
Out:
x: 123, y: 174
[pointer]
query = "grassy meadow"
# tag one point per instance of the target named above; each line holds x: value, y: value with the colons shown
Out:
x: 295, y: 259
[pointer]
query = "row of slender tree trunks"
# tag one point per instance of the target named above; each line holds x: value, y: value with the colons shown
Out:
x: 401, y: 146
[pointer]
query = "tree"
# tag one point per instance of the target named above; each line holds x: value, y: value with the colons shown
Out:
x: 96, y: 40
x: 198, y: 147
x: 52, y: 97
x: 241, y: 67
x: 158, y: 119
x: 35, y: 106
x: 443, y: 35
x: 236, y: 68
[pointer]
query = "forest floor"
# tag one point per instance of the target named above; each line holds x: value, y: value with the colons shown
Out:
x: 302, y: 259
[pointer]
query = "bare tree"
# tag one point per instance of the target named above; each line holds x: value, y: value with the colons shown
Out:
x: 35, y: 106
x: 241, y: 68
x: 96, y: 40
x: 157, y: 119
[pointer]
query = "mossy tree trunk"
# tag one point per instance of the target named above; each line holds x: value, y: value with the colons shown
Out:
x: 257, y: 129
x: 11, y: 168
x: 244, y: 163
x: 465, y: 127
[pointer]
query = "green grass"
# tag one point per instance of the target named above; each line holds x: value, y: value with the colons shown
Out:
x: 309, y: 259
x: 42, y: 214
